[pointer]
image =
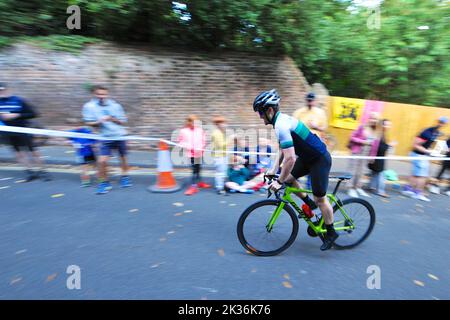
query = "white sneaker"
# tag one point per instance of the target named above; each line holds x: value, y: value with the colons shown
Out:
x: 420, y: 196
x: 434, y: 189
x: 363, y: 193
x: 352, y: 193
x: 408, y: 193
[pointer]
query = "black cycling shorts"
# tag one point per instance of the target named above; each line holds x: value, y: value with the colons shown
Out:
x: 318, y: 169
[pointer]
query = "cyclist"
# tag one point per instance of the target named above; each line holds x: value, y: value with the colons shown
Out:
x: 301, y: 153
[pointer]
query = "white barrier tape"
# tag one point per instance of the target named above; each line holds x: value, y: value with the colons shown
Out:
x: 68, y: 134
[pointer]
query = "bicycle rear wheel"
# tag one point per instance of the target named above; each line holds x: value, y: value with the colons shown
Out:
x: 362, y: 217
x: 254, y: 235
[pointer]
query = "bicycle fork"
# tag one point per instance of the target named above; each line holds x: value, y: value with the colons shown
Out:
x: 274, y: 217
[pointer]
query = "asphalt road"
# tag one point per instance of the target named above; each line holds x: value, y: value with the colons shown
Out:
x: 132, y: 244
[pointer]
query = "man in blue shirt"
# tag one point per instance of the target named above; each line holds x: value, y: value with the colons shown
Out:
x: 108, y: 116
x: 422, y: 148
x: 16, y: 112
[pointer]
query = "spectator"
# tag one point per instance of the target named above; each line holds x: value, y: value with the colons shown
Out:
x: 16, y: 112
x: 219, y: 143
x: 360, y: 142
x: 420, y: 173
x: 238, y: 176
x: 241, y: 148
x: 315, y: 118
x: 192, y: 140
x: 85, y: 152
x: 263, y: 161
x: 379, y: 149
x: 444, y: 167
x: 109, y: 116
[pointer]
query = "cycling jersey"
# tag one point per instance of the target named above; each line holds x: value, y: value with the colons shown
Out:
x: 294, y: 133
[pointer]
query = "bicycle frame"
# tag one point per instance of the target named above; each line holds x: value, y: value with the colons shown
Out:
x: 319, y: 229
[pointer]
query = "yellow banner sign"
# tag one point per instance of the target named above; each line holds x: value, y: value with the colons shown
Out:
x: 346, y: 112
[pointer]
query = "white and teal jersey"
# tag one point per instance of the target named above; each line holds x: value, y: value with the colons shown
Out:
x: 294, y: 133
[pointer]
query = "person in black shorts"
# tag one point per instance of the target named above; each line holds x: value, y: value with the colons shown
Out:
x: 14, y: 111
x: 302, y: 153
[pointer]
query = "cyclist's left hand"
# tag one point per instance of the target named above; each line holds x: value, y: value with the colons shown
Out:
x: 275, y: 186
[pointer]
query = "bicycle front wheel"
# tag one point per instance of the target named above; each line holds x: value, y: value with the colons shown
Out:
x: 356, y: 225
x: 258, y: 238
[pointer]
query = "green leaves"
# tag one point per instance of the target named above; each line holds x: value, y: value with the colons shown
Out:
x: 330, y: 44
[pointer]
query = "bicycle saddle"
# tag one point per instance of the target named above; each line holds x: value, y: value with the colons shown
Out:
x: 341, y: 175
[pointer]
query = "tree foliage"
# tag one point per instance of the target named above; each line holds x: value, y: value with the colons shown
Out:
x: 330, y: 43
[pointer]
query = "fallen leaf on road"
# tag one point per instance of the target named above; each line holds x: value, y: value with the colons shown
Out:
x: 432, y: 276
x: 287, y: 284
x: 51, y: 277
x: 404, y: 242
x: 419, y: 283
x: 253, y: 270
x: 221, y: 252
x: 21, y: 251
x: 232, y: 204
x: 211, y: 290
x: 15, y: 280
x: 171, y: 232
x: 178, y: 214
x: 58, y: 195
x: 134, y: 210
x: 381, y: 223
x: 157, y: 265
x: 69, y: 151
x: 179, y: 225
x: 19, y: 181
x: 5, y: 187
x: 187, y: 211
x: 223, y: 201
x: 419, y: 205
x: 5, y: 179
x: 162, y: 239
x: 286, y: 276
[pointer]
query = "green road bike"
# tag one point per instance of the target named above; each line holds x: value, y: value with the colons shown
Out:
x: 268, y: 227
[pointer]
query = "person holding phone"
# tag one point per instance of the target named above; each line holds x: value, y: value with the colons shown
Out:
x: 109, y: 117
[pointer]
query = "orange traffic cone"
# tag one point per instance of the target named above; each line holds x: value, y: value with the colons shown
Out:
x: 165, y: 181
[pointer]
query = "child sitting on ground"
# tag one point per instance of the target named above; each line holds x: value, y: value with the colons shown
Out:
x: 238, y: 175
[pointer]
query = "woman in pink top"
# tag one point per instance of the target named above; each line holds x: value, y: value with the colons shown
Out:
x: 192, y: 140
x: 360, y: 145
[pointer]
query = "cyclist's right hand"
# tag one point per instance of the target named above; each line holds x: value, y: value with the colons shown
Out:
x: 270, y: 173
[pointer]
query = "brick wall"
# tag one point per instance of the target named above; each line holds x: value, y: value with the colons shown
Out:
x: 157, y: 87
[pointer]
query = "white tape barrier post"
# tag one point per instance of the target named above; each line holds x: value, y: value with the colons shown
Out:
x: 68, y: 134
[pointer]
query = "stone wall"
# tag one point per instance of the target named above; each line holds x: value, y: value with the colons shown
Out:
x: 158, y: 87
